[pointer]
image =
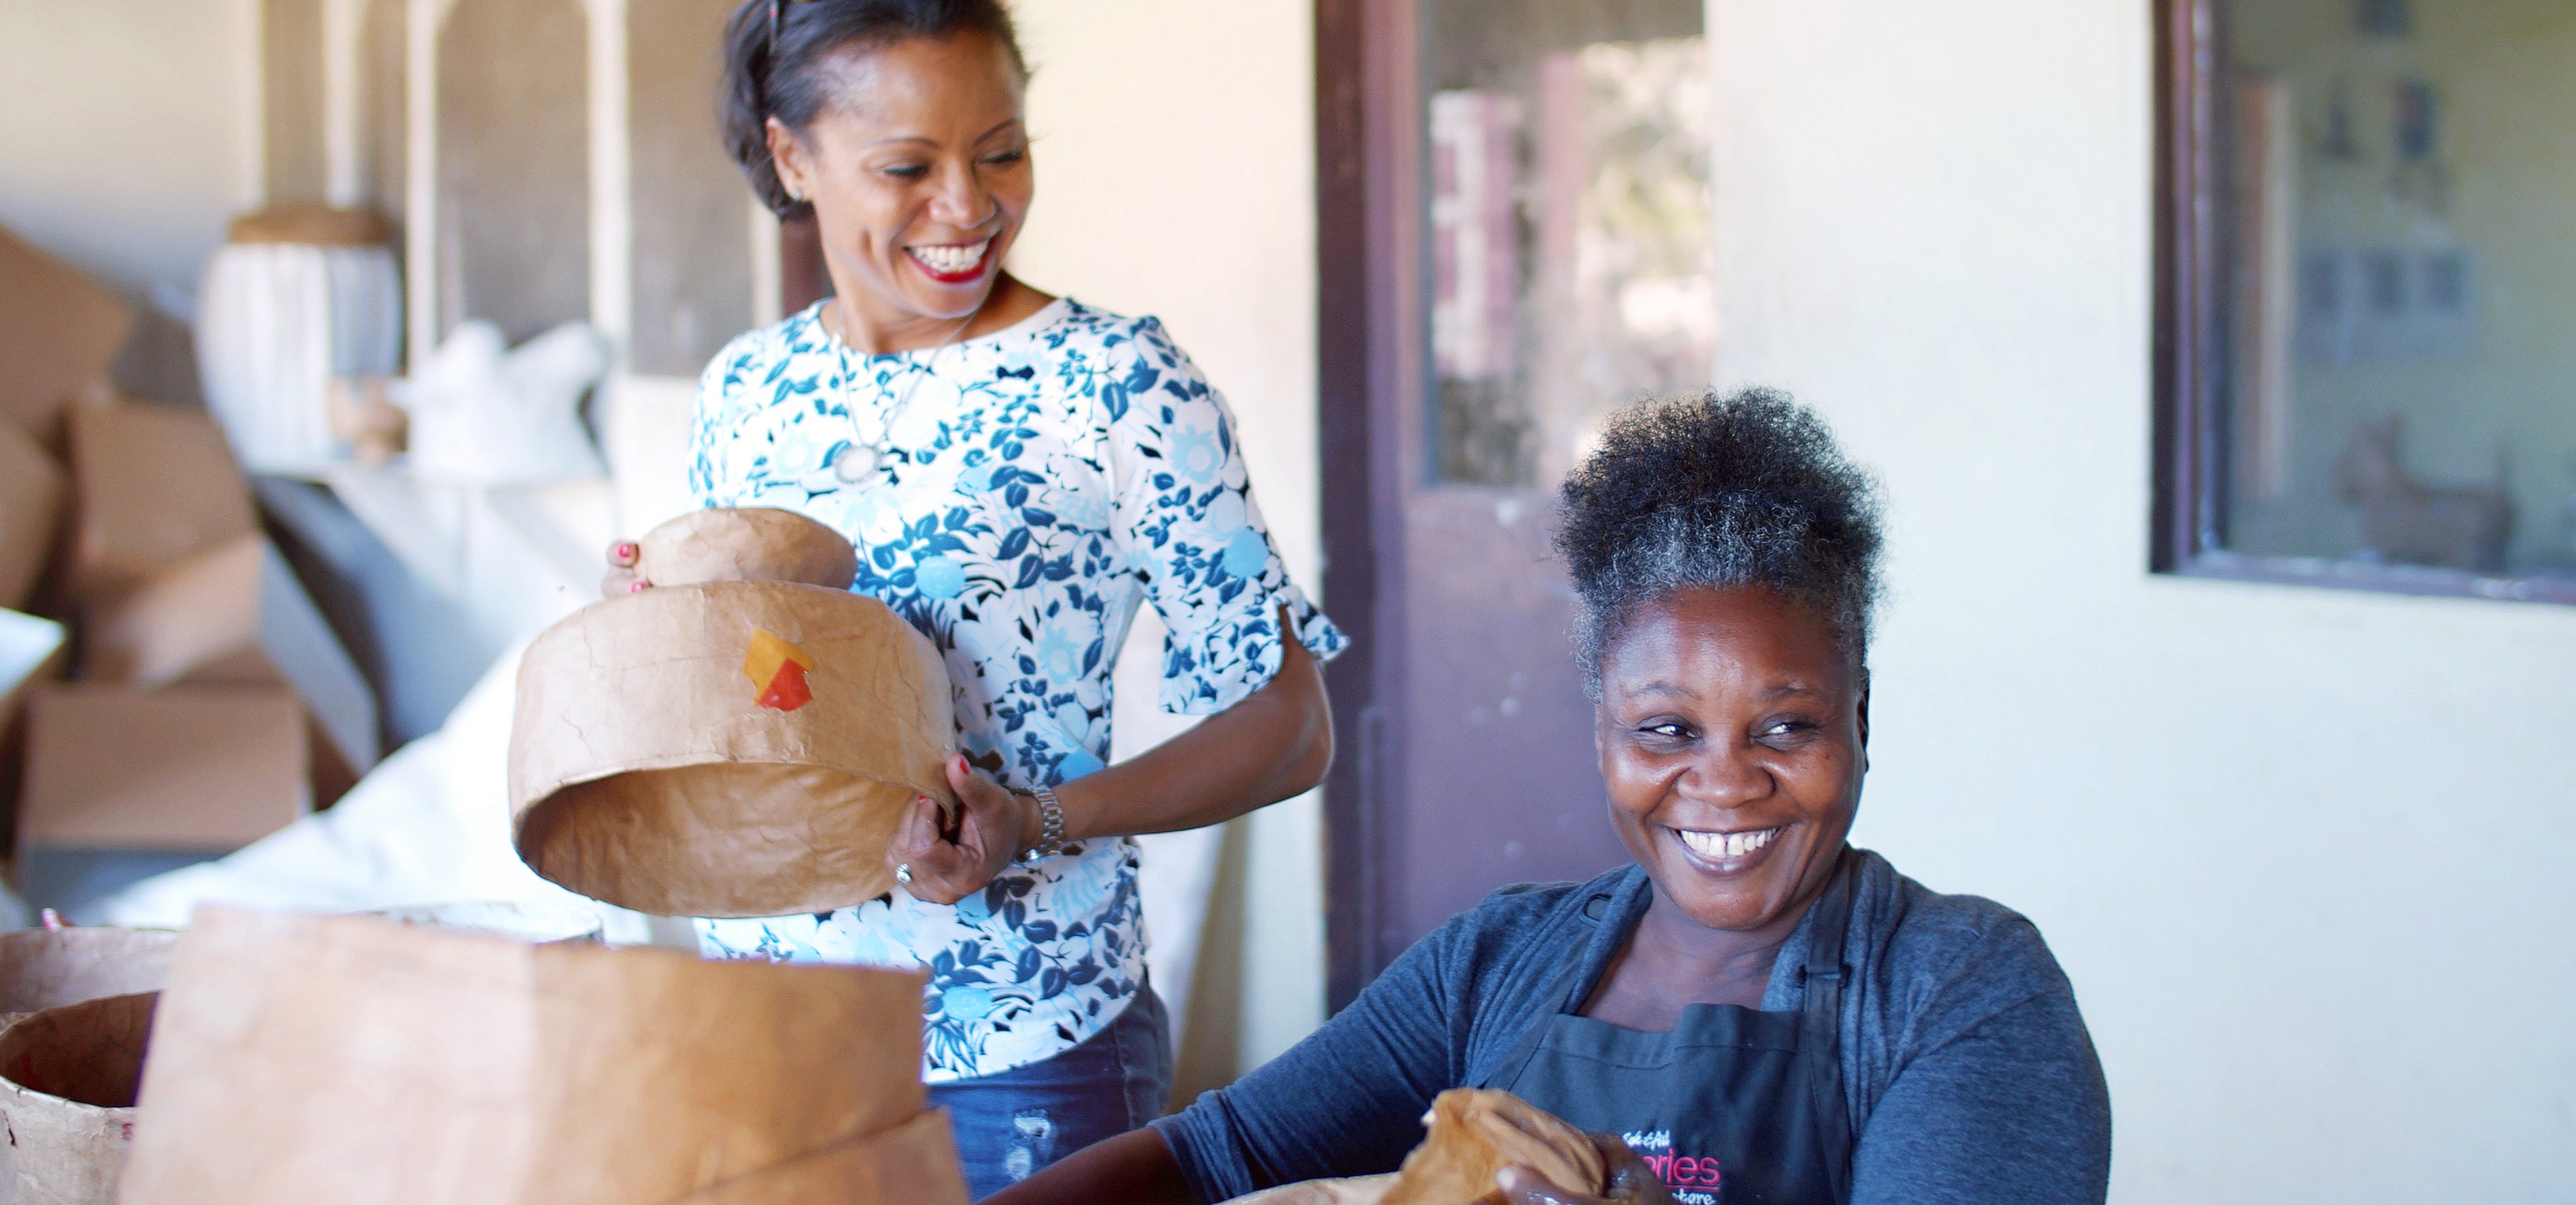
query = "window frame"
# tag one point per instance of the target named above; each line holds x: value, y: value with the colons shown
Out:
x: 2189, y: 507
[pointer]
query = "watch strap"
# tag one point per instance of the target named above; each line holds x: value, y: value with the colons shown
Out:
x: 1050, y: 826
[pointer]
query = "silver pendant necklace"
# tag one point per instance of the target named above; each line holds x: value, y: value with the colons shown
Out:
x: 864, y: 457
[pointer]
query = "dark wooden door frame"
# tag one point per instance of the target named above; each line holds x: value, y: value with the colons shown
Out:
x: 1368, y: 264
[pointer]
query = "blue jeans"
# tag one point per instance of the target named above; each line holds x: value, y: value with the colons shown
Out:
x: 1011, y: 1124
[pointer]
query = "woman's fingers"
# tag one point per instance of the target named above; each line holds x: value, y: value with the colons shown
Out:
x: 917, y: 835
x: 940, y: 871
x: 985, y: 801
x: 1629, y: 1179
x: 968, y: 784
x: 987, y: 824
x: 952, y: 857
x: 1521, y: 1186
x: 622, y: 577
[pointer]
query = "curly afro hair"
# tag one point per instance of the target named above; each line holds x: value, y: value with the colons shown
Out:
x: 1709, y: 491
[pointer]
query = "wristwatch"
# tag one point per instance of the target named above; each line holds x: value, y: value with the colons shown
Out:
x: 1050, y: 826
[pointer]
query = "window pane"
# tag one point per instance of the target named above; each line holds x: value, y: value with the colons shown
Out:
x: 1569, y: 239
x: 2400, y: 343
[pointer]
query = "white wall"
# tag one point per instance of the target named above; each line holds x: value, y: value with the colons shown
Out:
x: 128, y: 140
x: 1174, y: 153
x: 2306, y: 854
x: 127, y: 135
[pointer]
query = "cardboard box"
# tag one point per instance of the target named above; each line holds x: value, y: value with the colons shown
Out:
x: 236, y: 616
x: 59, y: 329
x: 152, y: 485
x: 31, y: 499
x: 199, y: 769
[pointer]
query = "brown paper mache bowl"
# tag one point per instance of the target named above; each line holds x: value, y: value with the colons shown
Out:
x: 41, y: 968
x: 730, y: 748
x: 745, y: 544
x: 347, y: 1060
x: 68, y: 1078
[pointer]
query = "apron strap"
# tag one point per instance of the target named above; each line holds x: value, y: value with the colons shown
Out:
x: 1820, y: 1029
x: 1567, y: 990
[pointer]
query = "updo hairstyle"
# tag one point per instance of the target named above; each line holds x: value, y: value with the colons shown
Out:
x: 779, y: 63
x: 1718, y: 492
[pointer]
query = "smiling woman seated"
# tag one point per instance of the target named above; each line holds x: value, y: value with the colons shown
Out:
x: 1754, y: 1005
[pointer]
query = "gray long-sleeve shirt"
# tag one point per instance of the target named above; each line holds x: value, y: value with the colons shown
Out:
x: 1965, y: 1063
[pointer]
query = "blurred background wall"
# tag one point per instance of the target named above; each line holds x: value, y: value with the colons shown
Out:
x: 129, y: 137
x: 2305, y: 853
x: 1175, y: 162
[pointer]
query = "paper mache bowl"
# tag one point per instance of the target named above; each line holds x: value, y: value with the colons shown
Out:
x: 727, y: 743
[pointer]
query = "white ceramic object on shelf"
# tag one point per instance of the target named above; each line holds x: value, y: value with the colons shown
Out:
x: 276, y: 322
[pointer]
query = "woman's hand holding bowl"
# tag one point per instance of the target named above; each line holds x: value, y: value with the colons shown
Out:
x: 622, y: 578
x: 941, y: 858
x: 1631, y: 1182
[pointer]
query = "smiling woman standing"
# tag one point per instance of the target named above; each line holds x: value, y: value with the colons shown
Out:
x: 1759, y: 1011
x: 1019, y: 473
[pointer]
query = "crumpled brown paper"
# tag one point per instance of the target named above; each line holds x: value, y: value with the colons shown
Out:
x: 728, y: 744
x: 1475, y: 1134
x: 913, y: 1164
x: 746, y: 544
x: 68, y: 1098
x: 358, y: 1062
x: 649, y: 769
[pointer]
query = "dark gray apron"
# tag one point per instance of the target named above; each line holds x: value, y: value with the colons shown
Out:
x: 1735, y: 1105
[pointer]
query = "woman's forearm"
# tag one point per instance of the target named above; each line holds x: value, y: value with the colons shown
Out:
x: 1134, y: 1168
x: 1274, y: 744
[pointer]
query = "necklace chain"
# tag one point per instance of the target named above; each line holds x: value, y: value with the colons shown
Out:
x: 848, y: 466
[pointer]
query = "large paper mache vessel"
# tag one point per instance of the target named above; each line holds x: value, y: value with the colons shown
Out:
x: 355, y: 1061
x: 739, y: 740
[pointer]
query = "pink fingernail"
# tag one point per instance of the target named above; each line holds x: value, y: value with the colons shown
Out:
x: 635, y: 587
x: 626, y: 550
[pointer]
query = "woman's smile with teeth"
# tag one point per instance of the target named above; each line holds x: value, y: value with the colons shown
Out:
x: 1726, y: 845
x: 950, y: 259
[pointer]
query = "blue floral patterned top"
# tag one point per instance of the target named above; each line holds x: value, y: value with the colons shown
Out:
x: 1017, y: 497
